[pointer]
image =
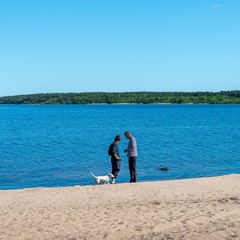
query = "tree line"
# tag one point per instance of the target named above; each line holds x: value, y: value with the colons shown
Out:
x: 222, y: 97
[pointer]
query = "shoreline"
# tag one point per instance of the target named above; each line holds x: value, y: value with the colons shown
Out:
x: 199, y: 208
x: 118, y: 183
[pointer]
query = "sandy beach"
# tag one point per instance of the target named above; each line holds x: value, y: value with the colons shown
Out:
x: 206, y: 208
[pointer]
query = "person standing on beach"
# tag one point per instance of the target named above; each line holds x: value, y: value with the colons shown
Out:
x: 132, y: 156
x: 115, y: 157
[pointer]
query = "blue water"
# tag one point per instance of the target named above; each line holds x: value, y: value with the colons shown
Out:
x: 58, y: 145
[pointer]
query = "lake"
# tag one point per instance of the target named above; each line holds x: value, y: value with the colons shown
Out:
x: 59, y: 145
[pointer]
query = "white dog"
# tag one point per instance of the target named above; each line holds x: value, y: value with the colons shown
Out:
x: 103, y: 179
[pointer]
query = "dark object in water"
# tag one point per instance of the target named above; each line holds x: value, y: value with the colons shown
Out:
x: 163, y: 168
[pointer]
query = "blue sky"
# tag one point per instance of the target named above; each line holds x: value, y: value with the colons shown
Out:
x: 49, y: 46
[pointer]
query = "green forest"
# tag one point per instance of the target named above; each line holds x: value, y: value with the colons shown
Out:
x: 222, y: 97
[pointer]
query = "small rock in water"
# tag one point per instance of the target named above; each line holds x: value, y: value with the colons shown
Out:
x: 163, y: 168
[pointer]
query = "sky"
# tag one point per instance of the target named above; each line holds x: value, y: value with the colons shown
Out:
x: 60, y: 46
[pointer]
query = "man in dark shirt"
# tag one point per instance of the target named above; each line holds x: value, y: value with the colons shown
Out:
x: 115, y: 158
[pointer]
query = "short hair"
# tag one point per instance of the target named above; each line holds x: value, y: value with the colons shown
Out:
x: 117, y: 138
x: 127, y: 133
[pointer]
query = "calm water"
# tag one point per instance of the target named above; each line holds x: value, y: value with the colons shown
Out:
x: 58, y: 145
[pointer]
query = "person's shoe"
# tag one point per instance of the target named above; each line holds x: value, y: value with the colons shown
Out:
x: 113, y: 180
x: 132, y: 181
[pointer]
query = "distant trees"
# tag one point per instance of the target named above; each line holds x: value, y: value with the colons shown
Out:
x: 223, y: 97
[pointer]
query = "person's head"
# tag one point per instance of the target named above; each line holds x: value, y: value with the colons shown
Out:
x: 117, y: 138
x: 128, y: 134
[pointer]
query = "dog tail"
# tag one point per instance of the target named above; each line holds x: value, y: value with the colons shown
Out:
x: 93, y: 175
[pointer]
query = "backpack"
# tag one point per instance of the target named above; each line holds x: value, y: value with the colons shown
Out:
x: 110, y: 149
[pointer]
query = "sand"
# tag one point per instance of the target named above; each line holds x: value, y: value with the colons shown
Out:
x: 206, y: 208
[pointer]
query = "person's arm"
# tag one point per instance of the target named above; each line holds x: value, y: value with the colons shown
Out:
x: 130, y: 146
x: 114, y: 153
x: 116, y: 156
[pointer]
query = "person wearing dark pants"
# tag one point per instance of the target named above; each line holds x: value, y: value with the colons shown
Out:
x: 115, y: 158
x: 132, y: 156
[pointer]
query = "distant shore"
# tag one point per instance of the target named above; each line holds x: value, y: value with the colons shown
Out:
x: 205, y: 208
x: 222, y: 97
